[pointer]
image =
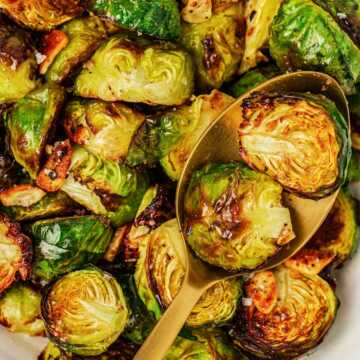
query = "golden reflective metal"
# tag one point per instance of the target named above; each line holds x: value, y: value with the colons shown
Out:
x: 220, y: 143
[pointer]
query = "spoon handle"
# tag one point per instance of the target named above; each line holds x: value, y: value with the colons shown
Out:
x: 166, y: 330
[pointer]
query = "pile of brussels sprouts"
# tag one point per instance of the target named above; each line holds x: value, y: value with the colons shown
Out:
x: 101, y: 104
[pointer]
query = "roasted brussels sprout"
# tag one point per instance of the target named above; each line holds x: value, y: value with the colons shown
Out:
x: 234, y: 216
x: 30, y: 122
x: 313, y: 164
x: 304, y: 36
x: 159, y: 18
x: 156, y: 207
x: 103, y: 175
x: 84, y: 36
x: 51, y: 205
x: 206, y: 346
x: 334, y: 242
x: 85, y: 311
x: 285, y: 313
x: 259, y: 15
x: 217, y: 45
x: 160, y: 271
x: 20, y: 310
x: 41, y: 14
x: 347, y: 15
x: 66, y: 244
x: 16, y: 253
x: 251, y: 79
x: 135, y: 69
x: 21, y: 195
x: 17, y: 63
x: 105, y: 187
x: 169, y: 137
x: 105, y: 129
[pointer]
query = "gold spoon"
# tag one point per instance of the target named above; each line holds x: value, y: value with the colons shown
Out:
x: 220, y: 144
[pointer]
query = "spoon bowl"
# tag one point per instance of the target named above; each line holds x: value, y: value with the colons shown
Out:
x: 220, y: 144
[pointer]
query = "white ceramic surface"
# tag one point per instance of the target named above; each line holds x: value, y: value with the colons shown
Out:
x: 342, y: 342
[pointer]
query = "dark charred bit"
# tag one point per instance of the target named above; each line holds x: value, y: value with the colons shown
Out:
x: 241, y: 29
x: 211, y: 59
x: 159, y: 211
x: 252, y: 15
x: 56, y: 168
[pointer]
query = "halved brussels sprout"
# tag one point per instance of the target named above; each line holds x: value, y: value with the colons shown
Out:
x: 171, y: 136
x: 20, y: 310
x: 160, y: 272
x: 17, y: 63
x: 285, y: 313
x: 259, y: 15
x: 217, y: 45
x: 156, y: 207
x: 83, y: 195
x: 41, y: 14
x: 66, y: 244
x: 24, y: 195
x: 300, y: 140
x: 84, y: 36
x: 251, y: 79
x: 135, y: 69
x: 234, y: 216
x: 30, y: 122
x: 55, y: 204
x: 105, y: 187
x: 347, y: 15
x: 102, y: 175
x: 85, y: 311
x: 334, y: 242
x: 16, y: 253
x: 105, y: 129
x: 159, y: 18
x: 306, y: 37
x: 207, y: 346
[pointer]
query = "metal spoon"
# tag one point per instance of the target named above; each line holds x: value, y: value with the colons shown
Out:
x: 220, y: 143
